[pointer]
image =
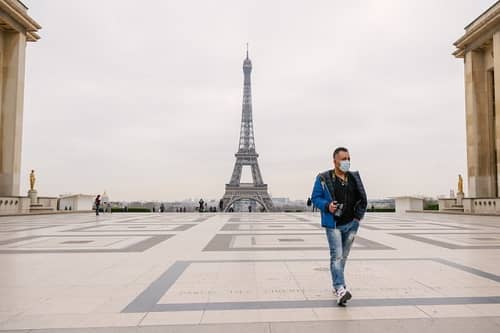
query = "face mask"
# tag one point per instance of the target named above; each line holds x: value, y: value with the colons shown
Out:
x: 345, y: 165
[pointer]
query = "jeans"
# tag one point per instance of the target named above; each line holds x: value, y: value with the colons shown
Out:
x: 340, y: 240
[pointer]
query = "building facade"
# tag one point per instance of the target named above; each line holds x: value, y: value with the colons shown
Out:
x: 76, y: 202
x: 16, y: 29
x: 479, y: 48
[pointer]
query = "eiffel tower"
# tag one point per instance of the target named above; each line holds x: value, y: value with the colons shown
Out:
x: 247, y: 156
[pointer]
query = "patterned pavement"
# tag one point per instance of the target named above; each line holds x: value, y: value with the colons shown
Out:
x: 253, y: 272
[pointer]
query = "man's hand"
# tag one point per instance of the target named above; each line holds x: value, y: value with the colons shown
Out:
x: 332, y: 207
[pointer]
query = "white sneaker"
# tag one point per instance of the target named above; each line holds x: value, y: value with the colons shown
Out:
x: 343, y: 295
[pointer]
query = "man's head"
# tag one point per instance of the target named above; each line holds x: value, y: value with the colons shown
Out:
x: 341, y: 159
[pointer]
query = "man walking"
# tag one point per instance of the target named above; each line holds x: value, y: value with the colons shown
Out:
x: 97, y: 203
x: 340, y: 196
x: 309, y: 202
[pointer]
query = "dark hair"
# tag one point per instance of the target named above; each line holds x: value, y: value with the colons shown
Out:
x: 338, y: 150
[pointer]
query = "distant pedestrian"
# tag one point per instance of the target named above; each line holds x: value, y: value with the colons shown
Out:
x: 221, y: 205
x: 249, y: 208
x: 97, y: 204
x: 309, y: 202
x: 202, y: 205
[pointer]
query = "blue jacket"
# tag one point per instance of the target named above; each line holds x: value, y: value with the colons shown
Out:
x: 322, y: 195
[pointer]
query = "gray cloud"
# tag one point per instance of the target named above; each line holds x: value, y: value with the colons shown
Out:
x: 144, y: 100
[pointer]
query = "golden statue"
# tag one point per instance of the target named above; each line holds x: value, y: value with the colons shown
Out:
x: 32, y: 180
x: 460, y: 184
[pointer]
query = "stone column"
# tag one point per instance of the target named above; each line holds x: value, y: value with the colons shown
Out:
x: 479, y: 155
x: 496, y: 65
x: 33, y: 195
x: 12, y: 61
x: 459, y: 199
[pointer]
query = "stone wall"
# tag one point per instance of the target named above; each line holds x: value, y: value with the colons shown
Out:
x: 14, y: 205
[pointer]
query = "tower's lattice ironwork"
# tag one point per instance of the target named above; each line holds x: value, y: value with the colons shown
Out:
x: 246, y: 155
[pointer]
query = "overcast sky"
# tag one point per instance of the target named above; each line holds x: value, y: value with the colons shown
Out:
x: 143, y: 98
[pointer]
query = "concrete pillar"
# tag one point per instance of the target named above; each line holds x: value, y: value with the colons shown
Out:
x: 479, y: 144
x: 12, y: 62
x: 496, y: 65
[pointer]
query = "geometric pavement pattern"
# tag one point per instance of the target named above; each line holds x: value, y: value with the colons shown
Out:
x: 260, y: 272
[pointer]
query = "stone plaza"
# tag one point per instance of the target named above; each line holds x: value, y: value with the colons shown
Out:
x: 267, y: 272
x: 247, y: 272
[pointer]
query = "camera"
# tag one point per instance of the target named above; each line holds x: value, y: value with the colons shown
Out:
x: 340, y: 209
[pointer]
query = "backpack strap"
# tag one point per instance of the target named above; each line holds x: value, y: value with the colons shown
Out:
x: 326, y: 178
